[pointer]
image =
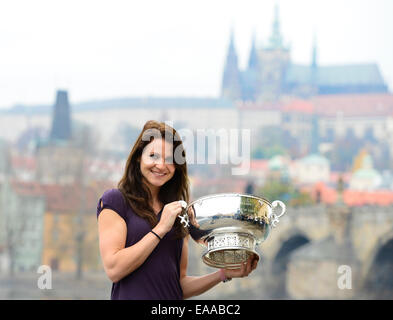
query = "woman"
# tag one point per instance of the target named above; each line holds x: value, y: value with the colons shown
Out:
x: 143, y: 246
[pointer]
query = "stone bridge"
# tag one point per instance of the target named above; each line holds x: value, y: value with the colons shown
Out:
x: 302, y: 256
x: 309, y: 245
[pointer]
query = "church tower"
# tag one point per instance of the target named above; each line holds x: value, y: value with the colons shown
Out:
x: 253, y: 63
x: 314, y: 68
x: 276, y: 40
x: 231, y: 78
x: 275, y: 59
x: 251, y: 78
x: 61, y: 122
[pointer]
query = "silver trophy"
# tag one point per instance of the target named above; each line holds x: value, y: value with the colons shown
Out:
x: 230, y: 226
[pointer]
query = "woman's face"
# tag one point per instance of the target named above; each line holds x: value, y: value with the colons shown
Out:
x: 156, y: 164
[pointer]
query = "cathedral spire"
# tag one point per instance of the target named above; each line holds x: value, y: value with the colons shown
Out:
x: 314, y: 52
x: 253, y: 59
x: 276, y: 40
x: 314, y: 66
x: 231, y: 76
x: 232, y: 41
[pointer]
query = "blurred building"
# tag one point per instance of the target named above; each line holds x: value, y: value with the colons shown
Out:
x: 5, y: 161
x: 310, y: 170
x: 258, y: 171
x: 271, y: 74
x: 22, y: 208
x: 322, y: 120
x: 59, y: 164
x: 60, y: 159
x: 310, y: 125
x: 351, y: 197
x: 70, y: 235
x: 279, y: 168
x: 54, y: 225
x: 365, y: 177
x: 24, y: 166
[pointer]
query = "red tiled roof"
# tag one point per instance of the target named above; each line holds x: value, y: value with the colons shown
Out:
x: 32, y: 189
x: 62, y: 198
x: 353, y: 197
x: 349, y: 105
x: 257, y: 164
x: 69, y: 198
x: 24, y: 162
x: 353, y: 105
x: 260, y: 164
x: 298, y: 106
x: 259, y: 106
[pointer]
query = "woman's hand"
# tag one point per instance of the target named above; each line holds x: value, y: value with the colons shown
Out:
x: 244, y: 270
x: 168, y: 217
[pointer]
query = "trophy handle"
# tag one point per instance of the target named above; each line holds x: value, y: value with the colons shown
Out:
x: 184, y: 216
x: 276, y: 217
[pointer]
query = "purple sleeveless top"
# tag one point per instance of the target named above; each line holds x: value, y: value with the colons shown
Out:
x: 158, y: 278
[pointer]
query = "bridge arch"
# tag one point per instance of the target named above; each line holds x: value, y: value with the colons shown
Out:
x: 378, y: 276
x: 293, y: 241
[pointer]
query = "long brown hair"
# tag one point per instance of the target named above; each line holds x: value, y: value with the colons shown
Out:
x: 132, y: 184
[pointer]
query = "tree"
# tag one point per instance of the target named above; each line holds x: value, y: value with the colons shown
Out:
x: 273, y: 140
x: 343, y: 151
x: 286, y: 192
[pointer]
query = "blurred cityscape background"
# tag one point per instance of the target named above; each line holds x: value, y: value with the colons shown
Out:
x: 321, y: 141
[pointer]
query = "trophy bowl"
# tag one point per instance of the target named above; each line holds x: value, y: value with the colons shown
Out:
x: 230, y: 226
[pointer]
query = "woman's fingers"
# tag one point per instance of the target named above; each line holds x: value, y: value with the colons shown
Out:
x: 169, y: 214
x: 245, y: 268
x: 249, y: 265
x: 238, y: 273
x: 175, y: 207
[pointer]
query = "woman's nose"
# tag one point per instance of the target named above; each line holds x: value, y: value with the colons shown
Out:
x: 160, y: 164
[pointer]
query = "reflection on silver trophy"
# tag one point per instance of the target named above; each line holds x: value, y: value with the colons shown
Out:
x: 230, y: 226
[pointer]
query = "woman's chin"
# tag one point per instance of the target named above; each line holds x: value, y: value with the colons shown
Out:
x: 157, y: 183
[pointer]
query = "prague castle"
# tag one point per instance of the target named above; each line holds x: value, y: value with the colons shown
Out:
x: 326, y: 102
x: 271, y: 74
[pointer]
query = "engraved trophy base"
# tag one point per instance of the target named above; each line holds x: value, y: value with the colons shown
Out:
x: 229, y: 250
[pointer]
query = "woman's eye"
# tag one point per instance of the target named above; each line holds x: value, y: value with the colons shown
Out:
x: 154, y: 156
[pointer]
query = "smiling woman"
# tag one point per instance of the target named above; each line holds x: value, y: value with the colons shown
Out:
x: 143, y: 246
x: 155, y: 167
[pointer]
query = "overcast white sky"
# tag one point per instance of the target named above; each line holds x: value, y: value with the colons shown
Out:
x: 105, y: 49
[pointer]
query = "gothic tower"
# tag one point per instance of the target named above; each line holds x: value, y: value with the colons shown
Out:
x: 275, y: 59
x: 314, y: 68
x: 231, y: 78
x: 251, y: 80
x: 253, y: 63
x: 61, y: 122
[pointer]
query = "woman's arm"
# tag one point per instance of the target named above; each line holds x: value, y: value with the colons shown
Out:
x: 112, y: 230
x: 194, y: 286
x: 119, y: 261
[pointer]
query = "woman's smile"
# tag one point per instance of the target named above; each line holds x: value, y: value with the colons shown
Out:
x: 158, y: 174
